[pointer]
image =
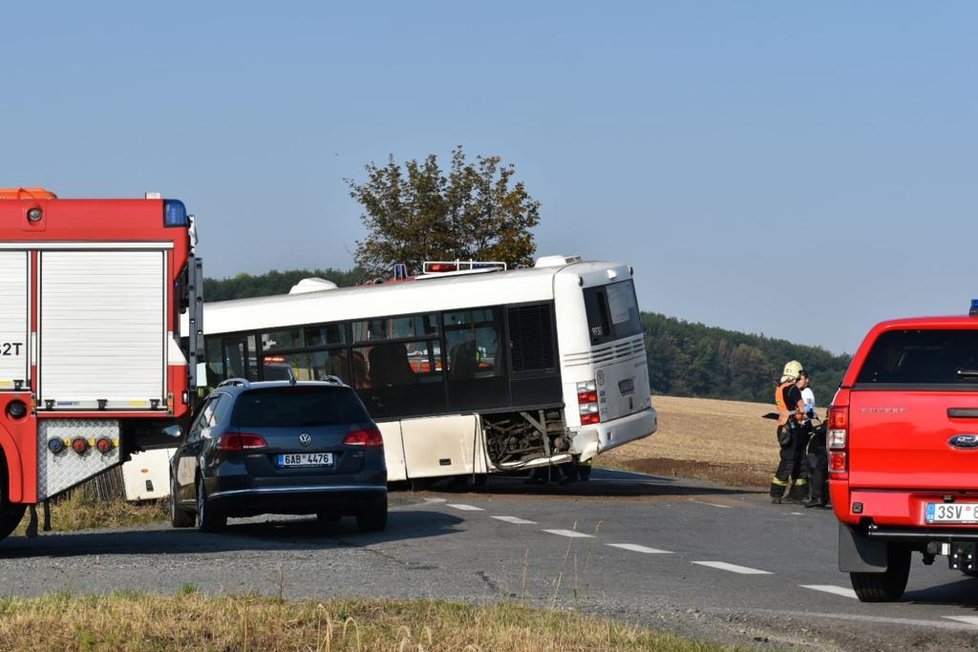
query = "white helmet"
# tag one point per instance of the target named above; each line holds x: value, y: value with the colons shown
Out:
x: 792, y: 370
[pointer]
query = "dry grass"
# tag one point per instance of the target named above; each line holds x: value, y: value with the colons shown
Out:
x: 79, y: 512
x: 724, y: 441
x: 190, y: 621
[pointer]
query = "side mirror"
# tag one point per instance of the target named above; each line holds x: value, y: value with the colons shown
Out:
x: 174, y: 431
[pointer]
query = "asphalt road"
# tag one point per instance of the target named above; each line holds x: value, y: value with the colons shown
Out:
x: 691, y: 557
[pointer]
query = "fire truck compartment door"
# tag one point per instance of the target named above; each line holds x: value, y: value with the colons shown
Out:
x: 14, y: 307
x: 102, y: 330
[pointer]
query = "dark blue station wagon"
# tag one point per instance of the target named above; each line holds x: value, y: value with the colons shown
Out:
x: 282, y: 447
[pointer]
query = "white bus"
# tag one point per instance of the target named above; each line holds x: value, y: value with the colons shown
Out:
x: 468, y: 371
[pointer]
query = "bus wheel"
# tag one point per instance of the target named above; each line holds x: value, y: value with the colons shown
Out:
x: 10, y: 513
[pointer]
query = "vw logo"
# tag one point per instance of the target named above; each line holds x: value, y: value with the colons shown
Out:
x: 964, y: 441
x: 305, y: 439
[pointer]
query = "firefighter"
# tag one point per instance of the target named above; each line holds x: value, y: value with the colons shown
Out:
x: 790, y: 477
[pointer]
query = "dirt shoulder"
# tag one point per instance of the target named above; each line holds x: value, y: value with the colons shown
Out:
x: 723, y: 441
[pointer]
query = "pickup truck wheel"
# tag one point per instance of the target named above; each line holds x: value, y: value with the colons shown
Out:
x: 889, y: 585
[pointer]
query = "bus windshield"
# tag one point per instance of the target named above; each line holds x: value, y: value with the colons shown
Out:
x: 612, y: 312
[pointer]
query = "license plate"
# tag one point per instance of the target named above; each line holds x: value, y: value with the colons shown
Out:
x: 951, y: 513
x: 306, y: 459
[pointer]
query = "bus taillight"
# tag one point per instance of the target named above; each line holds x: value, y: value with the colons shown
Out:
x: 587, y: 401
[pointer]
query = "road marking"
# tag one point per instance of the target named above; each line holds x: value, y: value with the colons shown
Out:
x: 466, y: 508
x: 570, y: 533
x: 828, y: 588
x: 733, y: 568
x: 515, y: 520
x: 634, y: 547
x: 970, y: 620
x: 701, y: 502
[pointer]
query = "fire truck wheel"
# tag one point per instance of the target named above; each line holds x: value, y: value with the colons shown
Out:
x: 179, y: 517
x: 10, y: 513
x: 208, y: 519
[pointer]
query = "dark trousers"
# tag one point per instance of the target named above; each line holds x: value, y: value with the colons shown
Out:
x: 791, y: 464
x: 817, y: 461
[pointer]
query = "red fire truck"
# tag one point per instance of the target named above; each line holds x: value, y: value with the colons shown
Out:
x: 91, y: 362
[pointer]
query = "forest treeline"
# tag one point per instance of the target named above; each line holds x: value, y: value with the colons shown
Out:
x: 685, y: 359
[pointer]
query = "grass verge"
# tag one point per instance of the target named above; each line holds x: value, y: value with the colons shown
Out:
x: 80, y: 512
x: 192, y: 621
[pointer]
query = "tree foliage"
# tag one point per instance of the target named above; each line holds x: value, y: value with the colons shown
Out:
x: 243, y: 286
x: 478, y: 211
x: 695, y: 360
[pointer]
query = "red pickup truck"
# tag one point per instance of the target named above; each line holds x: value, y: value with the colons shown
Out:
x: 903, y: 452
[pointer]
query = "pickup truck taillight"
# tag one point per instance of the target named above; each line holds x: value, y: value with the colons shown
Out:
x: 838, y: 441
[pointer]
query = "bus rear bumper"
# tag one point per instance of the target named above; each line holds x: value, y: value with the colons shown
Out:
x: 591, y: 440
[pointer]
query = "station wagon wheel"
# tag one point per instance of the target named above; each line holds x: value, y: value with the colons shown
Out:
x: 373, y: 518
x: 324, y: 516
x: 889, y: 585
x: 179, y: 517
x: 208, y: 519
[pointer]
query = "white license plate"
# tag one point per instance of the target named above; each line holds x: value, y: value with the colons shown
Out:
x: 951, y: 513
x: 306, y: 459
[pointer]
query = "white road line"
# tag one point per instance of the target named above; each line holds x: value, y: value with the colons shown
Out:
x: 828, y: 588
x: 466, y: 508
x: 634, y: 547
x: 733, y: 568
x: 970, y: 620
x: 515, y: 520
x: 570, y: 533
x: 711, y: 504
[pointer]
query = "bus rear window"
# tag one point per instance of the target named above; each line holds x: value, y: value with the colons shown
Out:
x: 612, y: 312
x: 922, y: 357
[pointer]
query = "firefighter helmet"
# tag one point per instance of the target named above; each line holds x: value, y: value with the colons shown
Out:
x: 792, y: 370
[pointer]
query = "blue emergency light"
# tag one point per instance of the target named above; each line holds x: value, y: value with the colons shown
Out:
x: 974, y: 308
x: 175, y: 213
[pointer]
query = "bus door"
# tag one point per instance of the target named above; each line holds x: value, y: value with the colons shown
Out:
x: 443, y: 445
x: 393, y: 450
x: 240, y: 357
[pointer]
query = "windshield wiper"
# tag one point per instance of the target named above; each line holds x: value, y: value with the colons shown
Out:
x: 967, y: 373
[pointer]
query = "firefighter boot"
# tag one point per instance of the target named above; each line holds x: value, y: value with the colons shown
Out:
x: 799, y: 491
x: 778, y: 488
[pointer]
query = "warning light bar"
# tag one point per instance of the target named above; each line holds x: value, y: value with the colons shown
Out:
x: 442, y: 266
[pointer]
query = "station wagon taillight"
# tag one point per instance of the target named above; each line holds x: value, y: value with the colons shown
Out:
x: 240, y: 441
x: 369, y: 437
x: 838, y: 440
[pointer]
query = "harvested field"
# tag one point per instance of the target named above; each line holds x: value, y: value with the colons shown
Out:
x: 724, y: 441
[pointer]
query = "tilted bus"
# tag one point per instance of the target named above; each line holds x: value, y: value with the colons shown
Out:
x: 468, y: 372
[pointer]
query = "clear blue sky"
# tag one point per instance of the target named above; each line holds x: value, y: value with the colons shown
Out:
x: 728, y: 150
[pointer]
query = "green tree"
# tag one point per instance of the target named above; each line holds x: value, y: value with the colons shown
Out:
x: 478, y: 211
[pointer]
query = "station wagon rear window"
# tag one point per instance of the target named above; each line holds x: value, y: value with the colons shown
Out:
x: 296, y: 406
x: 922, y: 357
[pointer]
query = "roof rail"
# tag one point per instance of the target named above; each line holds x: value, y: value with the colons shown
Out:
x: 333, y: 380
x: 242, y: 382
